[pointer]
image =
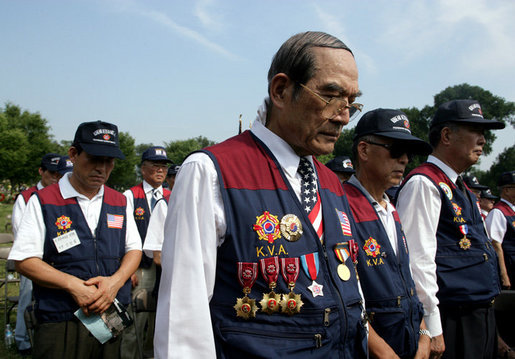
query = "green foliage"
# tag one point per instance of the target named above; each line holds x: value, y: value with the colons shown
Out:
x: 504, y: 162
x: 343, y: 147
x: 124, y: 171
x: 178, y: 150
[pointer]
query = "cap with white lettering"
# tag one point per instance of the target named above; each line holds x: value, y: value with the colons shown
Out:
x: 464, y: 111
x: 98, y: 139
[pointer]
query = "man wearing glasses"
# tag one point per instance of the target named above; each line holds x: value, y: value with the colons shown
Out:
x: 452, y: 260
x: 382, y: 147
x: 141, y: 200
x: 254, y: 261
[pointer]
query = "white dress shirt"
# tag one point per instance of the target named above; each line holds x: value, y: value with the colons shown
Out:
x: 156, y: 229
x: 147, y: 188
x: 419, y: 205
x: 19, y: 209
x: 384, y: 214
x: 194, y: 228
x: 496, y: 224
x: 30, y: 238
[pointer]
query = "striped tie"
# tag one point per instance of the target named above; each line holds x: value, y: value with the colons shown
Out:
x: 309, y: 195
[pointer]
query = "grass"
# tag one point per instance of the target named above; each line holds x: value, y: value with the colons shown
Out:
x: 12, y: 289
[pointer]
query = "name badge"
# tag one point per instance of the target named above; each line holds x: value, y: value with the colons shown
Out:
x: 66, y: 241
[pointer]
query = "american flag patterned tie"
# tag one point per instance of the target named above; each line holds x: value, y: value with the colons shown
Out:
x: 309, y: 195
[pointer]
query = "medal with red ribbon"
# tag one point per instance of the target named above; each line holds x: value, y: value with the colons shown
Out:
x: 342, y: 253
x: 291, y: 302
x: 247, y: 274
x: 464, y: 242
x: 310, y: 265
x: 353, y: 250
x: 270, y: 271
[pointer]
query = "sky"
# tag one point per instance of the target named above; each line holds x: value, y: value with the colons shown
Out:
x: 172, y: 70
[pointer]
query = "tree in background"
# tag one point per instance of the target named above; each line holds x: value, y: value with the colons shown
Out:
x: 124, y: 174
x: 178, y: 150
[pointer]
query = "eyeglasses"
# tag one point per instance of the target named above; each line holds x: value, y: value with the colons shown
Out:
x: 396, y: 149
x: 157, y: 166
x: 335, y: 106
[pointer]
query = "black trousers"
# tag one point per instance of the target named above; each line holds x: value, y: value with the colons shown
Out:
x: 469, y: 332
x: 72, y: 340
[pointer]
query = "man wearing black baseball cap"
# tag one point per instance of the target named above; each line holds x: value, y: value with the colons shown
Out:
x: 446, y: 235
x: 487, y: 201
x: 473, y: 185
x: 79, y: 245
x: 342, y: 166
x: 500, y: 224
x: 383, y: 145
x: 141, y: 200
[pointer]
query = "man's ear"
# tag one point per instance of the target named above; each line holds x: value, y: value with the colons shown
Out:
x: 280, y: 90
x: 362, y: 151
x: 445, y: 136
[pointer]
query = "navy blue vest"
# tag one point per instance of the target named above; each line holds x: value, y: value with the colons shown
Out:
x: 96, y: 255
x: 142, y: 217
x: 508, y: 242
x: 464, y: 275
x: 327, y: 326
x: 391, y: 301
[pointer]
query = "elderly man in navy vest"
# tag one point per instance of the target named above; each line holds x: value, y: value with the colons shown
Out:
x: 52, y: 168
x: 141, y: 200
x: 452, y: 260
x: 254, y: 257
x: 500, y: 224
x: 382, y: 147
x: 79, y: 245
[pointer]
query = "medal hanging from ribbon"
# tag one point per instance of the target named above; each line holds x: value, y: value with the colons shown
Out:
x: 342, y: 253
x: 310, y: 265
x: 246, y: 307
x: 291, y: 302
x: 464, y: 242
x: 270, y: 271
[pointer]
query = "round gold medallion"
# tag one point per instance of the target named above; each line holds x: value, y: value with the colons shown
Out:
x: 291, y: 228
x: 343, y: 272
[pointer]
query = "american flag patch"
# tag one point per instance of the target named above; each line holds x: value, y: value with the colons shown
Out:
x: 114, y: 220
x: 344, y: 221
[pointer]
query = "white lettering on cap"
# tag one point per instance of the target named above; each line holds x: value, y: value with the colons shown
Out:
x: 398, y: 118
x: 160, y: 152
x: 104, y: 131
x: 478, y: 107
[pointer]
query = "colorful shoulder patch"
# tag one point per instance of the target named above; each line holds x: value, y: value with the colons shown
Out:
x: 447, y: 190
x: 63, y: 222
x: 267, y: 227
x: 371, y: 247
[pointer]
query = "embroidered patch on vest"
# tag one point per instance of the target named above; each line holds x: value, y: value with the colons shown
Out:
x: 371, y: 247
x: 457, y: 209
x: 267, y: 227
x: 114, y: 220
x: 447, y: 190
x: 63, y: 222
x: 139, y: 211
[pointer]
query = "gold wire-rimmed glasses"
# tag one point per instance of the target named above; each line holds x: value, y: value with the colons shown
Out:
x: 335, y: 106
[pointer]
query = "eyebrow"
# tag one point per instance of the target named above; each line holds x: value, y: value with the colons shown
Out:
x: 337, y: 88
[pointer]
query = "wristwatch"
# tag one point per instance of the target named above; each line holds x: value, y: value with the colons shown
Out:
x: 424, y: 332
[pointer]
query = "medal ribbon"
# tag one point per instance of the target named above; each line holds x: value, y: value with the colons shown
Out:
x: 342, y: 252
x: 464, y: 229
x: 270, y: 270
x: 353, y: 249
x: 247, y: 274
x: 290, y: 270
x: 310, y: 264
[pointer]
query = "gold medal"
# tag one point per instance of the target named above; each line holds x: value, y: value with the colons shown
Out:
x: 291, y: 303
x: 465, y: 243
x: 270, y: 302
x: 291, y: 228
x: 246, y: 307
x: 343, y: 272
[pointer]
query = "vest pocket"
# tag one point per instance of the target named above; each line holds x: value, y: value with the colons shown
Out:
x: 392, y: 326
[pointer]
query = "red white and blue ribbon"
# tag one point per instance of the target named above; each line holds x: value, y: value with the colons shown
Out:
x: 310, y: 264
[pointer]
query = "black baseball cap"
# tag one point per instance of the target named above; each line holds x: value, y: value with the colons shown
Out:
x: 155, y: 153
x: 472, y: 182
x: 50, y: 161
x: 486, y: 193
x: 506, y: 178
x: 341, y: 164
x: 98, y: 139
x: 65, y: 165
x: 391, y: 124
x: 464, y: 111
x: 172, y: 170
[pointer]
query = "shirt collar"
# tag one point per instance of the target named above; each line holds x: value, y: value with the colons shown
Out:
x: 39, y: 186
x: 282, y: 151
x: 355, y: 181
x: 148, y: 188
x: 512, y: 206
x: 449, y: 172
x: 68, y: 191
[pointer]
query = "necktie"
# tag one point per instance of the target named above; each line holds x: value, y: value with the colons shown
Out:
x: 153, y: 199
x: 461, y: 185
x: 309, y: 195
